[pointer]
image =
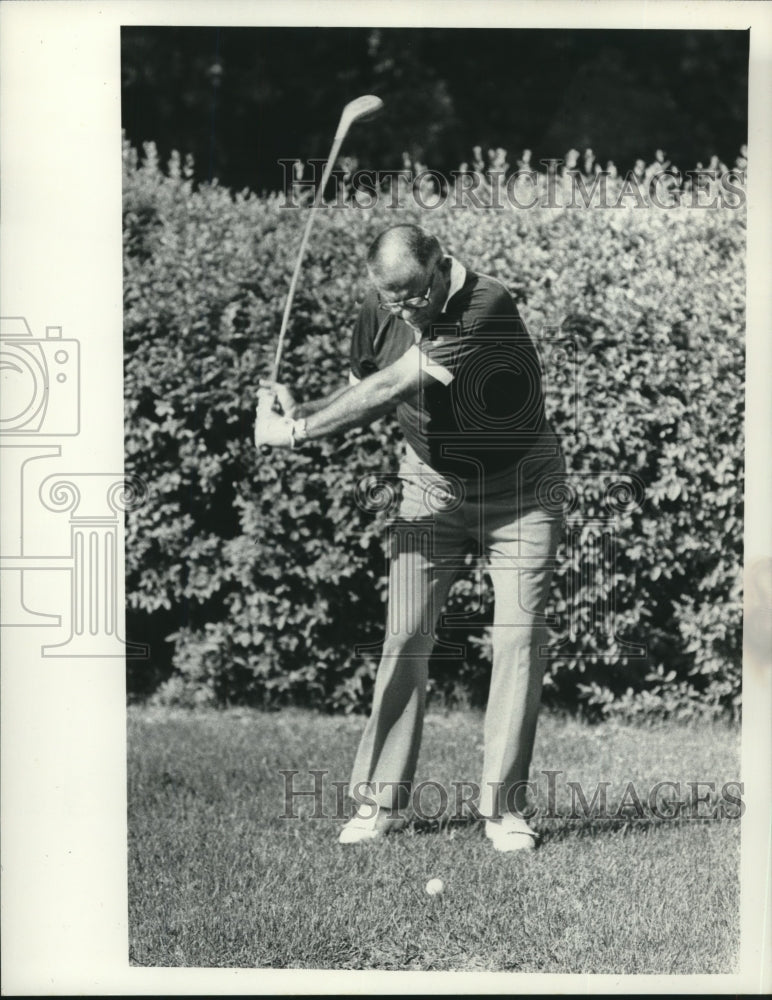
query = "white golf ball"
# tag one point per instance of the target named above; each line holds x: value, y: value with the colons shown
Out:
x: 435, y: 886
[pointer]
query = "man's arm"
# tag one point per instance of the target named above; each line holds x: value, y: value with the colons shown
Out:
x: 314, y: 405
x: 348, y: 407
x: 367, y: 400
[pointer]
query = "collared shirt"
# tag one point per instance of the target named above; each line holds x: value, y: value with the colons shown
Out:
x: 457, y: 279
x: 483, y: 407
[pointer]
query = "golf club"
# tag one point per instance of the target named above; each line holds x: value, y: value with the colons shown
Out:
x: 356, y: 110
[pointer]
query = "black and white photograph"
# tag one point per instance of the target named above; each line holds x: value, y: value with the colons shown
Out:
x: 386, y: 568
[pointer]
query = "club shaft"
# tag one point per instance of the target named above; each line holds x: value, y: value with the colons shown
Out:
x: 337, y: 142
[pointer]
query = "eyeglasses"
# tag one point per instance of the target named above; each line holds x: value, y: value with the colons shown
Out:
x: 415, y: 302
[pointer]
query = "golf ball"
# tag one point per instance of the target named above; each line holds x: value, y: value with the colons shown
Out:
x: 435, y: 886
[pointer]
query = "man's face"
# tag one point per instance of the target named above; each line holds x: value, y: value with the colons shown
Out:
x: 415, y: 294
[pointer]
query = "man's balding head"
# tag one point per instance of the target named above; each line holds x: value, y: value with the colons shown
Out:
x: 402, y: 254
x: 410, y: 274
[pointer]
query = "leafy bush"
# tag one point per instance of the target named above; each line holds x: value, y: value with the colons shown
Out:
x: 263, y: 573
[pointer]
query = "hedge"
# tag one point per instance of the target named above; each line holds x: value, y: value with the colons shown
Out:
x: 254, y: 578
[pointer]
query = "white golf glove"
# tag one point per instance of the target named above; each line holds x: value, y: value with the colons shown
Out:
x: 271, y: 428
x: 278, y: 393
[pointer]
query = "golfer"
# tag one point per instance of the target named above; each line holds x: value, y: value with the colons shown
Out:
x: 445, y: 348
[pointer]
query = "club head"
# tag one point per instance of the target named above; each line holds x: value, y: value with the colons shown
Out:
x: 362, y: 107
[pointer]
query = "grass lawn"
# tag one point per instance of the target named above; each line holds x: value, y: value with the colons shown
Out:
x: 217, y: 878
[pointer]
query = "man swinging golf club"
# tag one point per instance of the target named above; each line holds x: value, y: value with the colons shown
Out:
x: 445, y: 348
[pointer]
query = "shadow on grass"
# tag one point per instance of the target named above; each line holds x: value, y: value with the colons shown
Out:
x: 563, y: 826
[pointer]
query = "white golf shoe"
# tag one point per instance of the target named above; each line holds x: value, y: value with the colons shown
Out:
x: 364, y: 826
x: 511, y: 834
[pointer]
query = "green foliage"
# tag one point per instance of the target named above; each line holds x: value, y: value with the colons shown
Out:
x: 264, y: 573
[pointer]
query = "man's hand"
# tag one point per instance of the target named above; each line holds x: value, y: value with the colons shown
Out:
x: 279, y: 393
x: 271, y: 428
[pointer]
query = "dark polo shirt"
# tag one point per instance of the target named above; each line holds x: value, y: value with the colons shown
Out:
x: 482, y: 409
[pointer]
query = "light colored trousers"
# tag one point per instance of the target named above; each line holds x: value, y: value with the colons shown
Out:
x: 437, y: 517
